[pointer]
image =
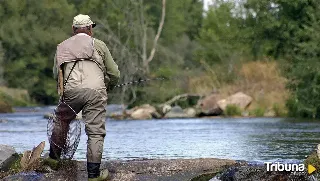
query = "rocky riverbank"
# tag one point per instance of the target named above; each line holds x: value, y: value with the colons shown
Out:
x: 212, y: 105
x: 202, y: 169
x: 191, y: 106
x: 151, y: 170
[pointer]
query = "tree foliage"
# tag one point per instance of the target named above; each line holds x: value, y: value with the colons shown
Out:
x: 29, y: 32
x: 192, y: 41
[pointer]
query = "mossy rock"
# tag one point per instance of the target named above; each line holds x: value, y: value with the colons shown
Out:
x: 5, y: 107
x: 314, y: 161
x: 13, y: 167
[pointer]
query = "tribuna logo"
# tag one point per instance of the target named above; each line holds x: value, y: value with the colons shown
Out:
x: 289, y: 167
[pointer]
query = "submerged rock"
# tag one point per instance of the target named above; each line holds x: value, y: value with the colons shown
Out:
x: 3, y: 121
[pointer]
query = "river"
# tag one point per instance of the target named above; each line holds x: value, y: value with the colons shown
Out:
x: 248, y: 139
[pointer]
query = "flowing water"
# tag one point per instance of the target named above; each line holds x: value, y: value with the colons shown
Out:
x: 249, y: 139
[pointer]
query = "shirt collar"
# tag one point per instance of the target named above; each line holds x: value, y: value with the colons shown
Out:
x: 82, y: 34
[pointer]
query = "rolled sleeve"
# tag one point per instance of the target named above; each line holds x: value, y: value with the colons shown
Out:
x: 112, y: 69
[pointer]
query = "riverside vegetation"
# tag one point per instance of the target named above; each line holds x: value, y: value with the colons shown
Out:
x: 267, y: 49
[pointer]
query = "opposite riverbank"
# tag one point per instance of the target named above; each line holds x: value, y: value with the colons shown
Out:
x: 253, y: 93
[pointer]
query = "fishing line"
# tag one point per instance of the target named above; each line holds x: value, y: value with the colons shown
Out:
x: 140, y: 81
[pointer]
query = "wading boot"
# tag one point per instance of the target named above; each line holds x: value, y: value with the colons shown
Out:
x: 94, y: 173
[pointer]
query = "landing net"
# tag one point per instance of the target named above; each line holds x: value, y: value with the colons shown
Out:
x: 64, y: 131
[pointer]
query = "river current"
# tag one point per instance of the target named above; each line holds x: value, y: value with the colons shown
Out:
x: 248, y: 139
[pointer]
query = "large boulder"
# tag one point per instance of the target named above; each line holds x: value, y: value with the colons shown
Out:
x: 239, y: 99
x: 176, y: 112
x: 208, y: 105
x: 7, y: 156
x: 145, y: 111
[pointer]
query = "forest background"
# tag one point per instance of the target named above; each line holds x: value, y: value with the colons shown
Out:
x: 267, y: 49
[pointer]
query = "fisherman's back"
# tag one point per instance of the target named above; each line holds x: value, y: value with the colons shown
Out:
x: 85, y: 71
x: 100, y: 73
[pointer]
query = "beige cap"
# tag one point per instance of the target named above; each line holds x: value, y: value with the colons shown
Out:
x: 82, y: 20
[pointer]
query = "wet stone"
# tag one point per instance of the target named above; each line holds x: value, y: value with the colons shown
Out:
x: 7, y: 156
x: 25, y: 176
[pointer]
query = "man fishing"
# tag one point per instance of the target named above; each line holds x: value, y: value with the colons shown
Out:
x: 85, y: 71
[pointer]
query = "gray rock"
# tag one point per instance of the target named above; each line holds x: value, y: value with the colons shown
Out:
x: 191, y: 112
x: 25, y: 176
x: 165, y: 109
x: 208, y: 105
x: 145, y: 111
x: 176, y: 112
x: 3, y: 121
x: 7, y: 156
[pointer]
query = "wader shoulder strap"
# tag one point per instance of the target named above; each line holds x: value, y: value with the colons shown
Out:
x: 65, y: 82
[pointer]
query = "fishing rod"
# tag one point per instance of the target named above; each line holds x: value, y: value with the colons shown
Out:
x: 139, y: 81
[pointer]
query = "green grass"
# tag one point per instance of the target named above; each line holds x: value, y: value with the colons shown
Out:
x: 232, y: 110
x: 279, y: 112
x: 258, y: 112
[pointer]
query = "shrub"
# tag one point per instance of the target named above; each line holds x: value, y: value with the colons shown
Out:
x: 232, y: 110
x: 15, y: 97
x: 5, y: 107
x: 313, y: 160
x: 296, y: 109
x: 279, y: 112
x: 258, y: 112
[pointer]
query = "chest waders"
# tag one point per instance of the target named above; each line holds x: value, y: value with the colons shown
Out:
x: 63, y: 128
